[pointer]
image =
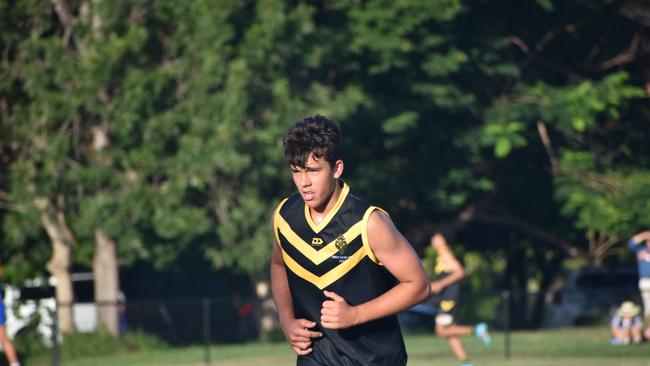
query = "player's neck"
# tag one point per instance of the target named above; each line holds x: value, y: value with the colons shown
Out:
x: 319, y: 213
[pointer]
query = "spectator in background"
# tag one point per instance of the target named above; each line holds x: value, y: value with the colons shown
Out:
x: 640, y: 245
x: 626, y: 324
x: 122, y: 324
x: 7, y: 346
x: 247, y: 318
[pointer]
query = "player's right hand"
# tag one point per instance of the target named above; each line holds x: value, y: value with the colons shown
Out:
x: 436, y: 288
x: 299, y: 336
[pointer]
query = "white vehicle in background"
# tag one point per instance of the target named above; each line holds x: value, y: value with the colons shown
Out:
x: 35, y: 303
x: 36, y: 306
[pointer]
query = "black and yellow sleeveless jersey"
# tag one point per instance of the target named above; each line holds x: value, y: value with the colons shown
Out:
x: 440, y: 269
x: 447, y: 300
x: 334, y: 255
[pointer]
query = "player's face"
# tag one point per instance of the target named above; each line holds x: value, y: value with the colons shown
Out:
x: 316, y: 181
x: 438, y: 242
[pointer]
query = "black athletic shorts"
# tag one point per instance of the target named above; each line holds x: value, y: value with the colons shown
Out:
x: 447, y: 304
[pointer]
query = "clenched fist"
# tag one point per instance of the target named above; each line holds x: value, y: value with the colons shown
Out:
x: 336, y: 313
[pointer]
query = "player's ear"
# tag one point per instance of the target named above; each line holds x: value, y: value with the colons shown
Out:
x: 338, y: 169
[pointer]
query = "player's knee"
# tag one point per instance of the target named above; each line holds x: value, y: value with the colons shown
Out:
x: 443, y: 321
x: 441, y: 330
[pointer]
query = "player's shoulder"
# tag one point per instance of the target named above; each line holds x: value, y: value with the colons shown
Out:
x: 289, y: 203
x: 378, y: 215
x: 379, y: 221
x: 356, y: 197
x: 354, y: 204
x: 285, y: 209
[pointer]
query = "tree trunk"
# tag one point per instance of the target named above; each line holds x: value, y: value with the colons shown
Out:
x: 105, y: 268
x: 63, y: 242
x: 549, y: 269
x: 106, y: 275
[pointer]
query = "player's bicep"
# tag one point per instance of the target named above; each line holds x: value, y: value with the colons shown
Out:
x: 276, y: 254
x: 393, y: 250
x: 383, y: 238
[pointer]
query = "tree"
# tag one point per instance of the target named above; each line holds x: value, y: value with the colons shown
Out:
x: 142, y: 130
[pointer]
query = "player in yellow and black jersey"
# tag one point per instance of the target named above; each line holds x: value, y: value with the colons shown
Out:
x: 340, y: 270
x: 446, y: 290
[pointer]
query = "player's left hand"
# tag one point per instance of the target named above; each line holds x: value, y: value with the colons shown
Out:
x: 336, y: 313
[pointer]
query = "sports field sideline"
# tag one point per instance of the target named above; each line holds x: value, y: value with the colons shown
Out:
x: 577, y: 346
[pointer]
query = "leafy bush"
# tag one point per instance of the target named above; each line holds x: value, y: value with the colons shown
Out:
x: 29, y: 342
x: 101, y: 343
x: 30, y: 346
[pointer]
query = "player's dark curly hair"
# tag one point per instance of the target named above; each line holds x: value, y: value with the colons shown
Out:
x: 318, y: 135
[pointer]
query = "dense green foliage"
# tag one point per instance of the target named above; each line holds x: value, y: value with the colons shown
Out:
x: 520, y: 126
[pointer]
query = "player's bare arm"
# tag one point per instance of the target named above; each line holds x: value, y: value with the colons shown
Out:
x: 296, y: 331
x: 455, y: 269
x: 641, y: 237
x: 396, y: 254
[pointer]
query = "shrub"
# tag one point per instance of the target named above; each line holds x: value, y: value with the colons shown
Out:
x: 101, y: 343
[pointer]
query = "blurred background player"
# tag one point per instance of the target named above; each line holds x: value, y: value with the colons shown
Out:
x: 446, y: 291
x: 627, y: 324
x: 7, y: 346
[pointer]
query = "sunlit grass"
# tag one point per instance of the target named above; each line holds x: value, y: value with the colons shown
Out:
x: 578, y: 346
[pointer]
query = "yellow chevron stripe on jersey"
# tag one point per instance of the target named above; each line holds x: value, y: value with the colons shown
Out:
x: 440, y: 265
x: 364, y: 232
x: 318, y: 227
x: 328, y: 278
x: 316, y: 256
x: 275, y: 217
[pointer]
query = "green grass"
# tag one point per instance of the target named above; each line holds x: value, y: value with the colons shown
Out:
x: 579, y: 346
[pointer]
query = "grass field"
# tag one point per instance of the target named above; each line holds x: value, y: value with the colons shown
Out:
x: 579, y: 346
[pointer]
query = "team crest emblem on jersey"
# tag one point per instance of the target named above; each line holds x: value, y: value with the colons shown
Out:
x: 316, y: 241
x: 341, y: 244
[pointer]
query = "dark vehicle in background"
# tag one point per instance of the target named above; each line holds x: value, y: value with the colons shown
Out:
x: 591, y: 295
